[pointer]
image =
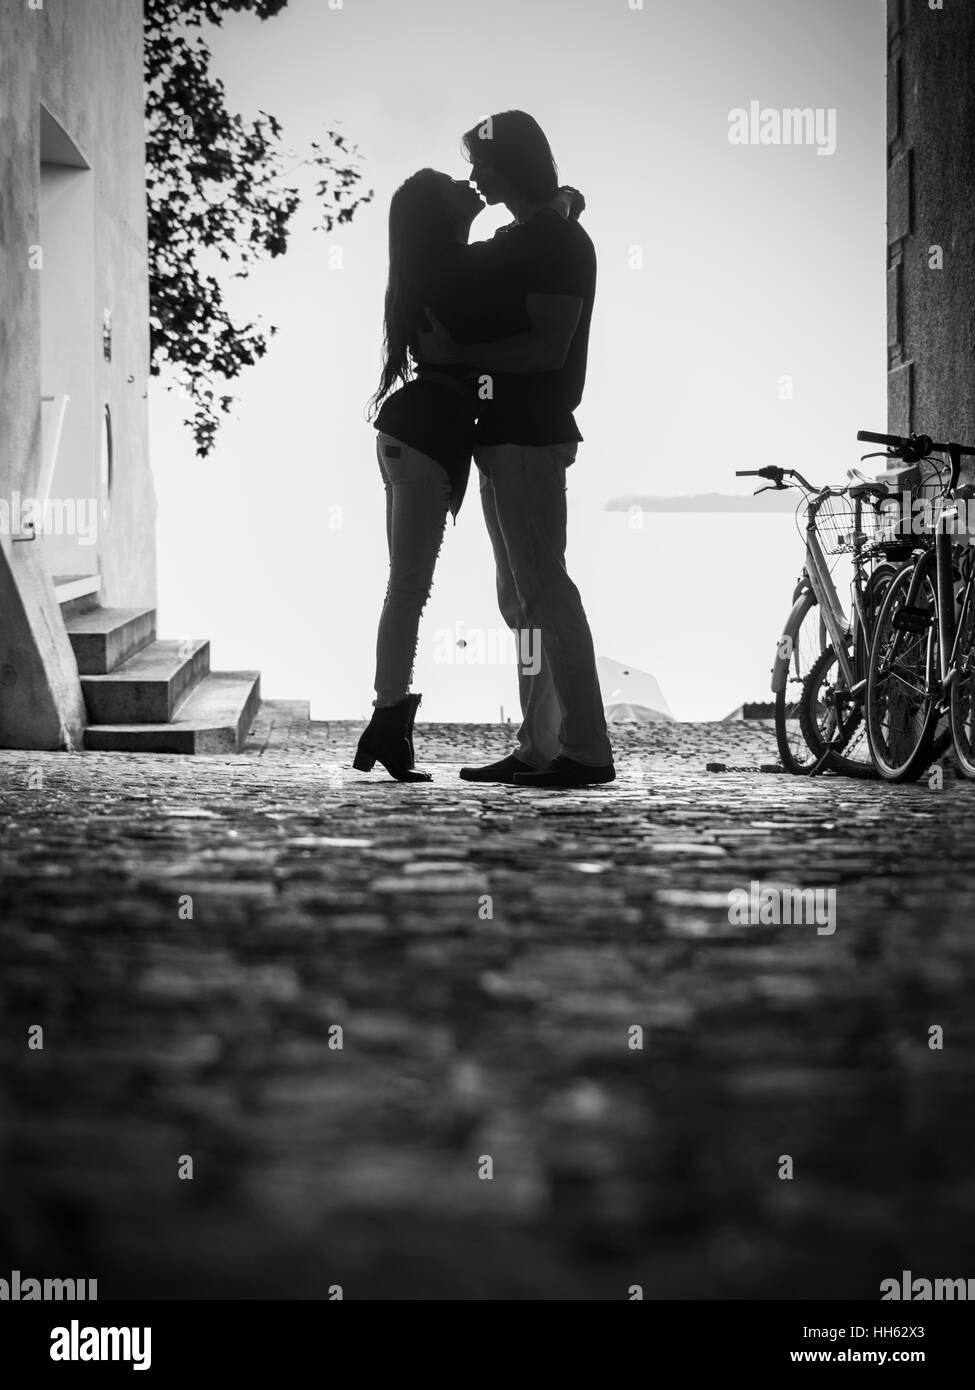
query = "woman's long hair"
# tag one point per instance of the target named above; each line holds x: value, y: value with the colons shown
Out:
x: 420, y: 231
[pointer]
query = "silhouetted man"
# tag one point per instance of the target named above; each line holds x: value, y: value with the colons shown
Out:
x: 539, y: 274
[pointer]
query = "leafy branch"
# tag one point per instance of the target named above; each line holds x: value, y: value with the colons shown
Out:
x: 219, y: 185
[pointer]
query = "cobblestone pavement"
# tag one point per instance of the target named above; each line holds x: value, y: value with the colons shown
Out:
x: 487, y: 953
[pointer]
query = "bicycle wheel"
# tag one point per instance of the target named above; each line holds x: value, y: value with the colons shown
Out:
x: 962, y: 704
x: 830, y: 716
x: 806, y: 635
x: 902, y: 712
x: 832, y: 721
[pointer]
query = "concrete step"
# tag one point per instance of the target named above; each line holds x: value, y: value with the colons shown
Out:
x: 77, y: 593
x: 150, y: 686
x: 279, y: 724
x: 215, y: 718
x: 106, y: 637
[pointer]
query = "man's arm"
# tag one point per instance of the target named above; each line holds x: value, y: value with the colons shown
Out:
x: 543, y: 347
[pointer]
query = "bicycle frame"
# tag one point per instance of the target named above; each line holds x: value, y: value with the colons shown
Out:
x: 817, y: 579
x: 949, y: 626
x: 950, y: 622
x: 821, y: 583
x: 816, y: 584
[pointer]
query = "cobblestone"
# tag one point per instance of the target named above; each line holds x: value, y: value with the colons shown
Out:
x: 486, y: 952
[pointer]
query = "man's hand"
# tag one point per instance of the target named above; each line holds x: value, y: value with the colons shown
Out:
x: 435, y: 343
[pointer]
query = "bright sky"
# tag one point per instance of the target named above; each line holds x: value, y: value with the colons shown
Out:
x: 758, y: 262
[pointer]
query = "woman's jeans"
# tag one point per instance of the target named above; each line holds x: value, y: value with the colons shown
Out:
x: 417, y: 502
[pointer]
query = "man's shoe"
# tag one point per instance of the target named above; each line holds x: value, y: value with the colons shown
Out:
x: 566, y: 772
x: 507, y: 770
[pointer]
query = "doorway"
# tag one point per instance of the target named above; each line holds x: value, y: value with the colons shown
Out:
x: 69, y: 484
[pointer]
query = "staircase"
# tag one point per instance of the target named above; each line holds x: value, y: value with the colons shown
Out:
x: 149, y: 696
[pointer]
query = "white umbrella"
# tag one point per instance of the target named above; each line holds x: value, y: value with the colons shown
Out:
x: 621, y: 684
x: 626, y: 713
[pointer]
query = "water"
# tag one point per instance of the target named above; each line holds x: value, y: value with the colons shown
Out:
x: 697, y: 600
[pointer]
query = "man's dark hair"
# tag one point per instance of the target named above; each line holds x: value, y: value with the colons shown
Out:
x: 515, y: 145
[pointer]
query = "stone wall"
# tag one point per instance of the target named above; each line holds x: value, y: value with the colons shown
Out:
x: 931, y: 218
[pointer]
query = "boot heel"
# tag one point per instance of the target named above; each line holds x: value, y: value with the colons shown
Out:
x: 363, y: 762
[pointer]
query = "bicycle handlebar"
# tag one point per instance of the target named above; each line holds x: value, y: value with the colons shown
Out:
x: 889, y: 441
x: 918, y: 447
x: 922, y: 444
x: 775, y: 477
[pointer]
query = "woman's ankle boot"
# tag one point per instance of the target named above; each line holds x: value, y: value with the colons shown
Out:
x: 387, y: 740
x: 409, y: 729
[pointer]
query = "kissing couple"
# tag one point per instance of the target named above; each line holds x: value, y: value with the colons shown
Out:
x: 485, y: 356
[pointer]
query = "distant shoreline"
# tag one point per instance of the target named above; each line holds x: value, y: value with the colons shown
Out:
x: 707, y: 502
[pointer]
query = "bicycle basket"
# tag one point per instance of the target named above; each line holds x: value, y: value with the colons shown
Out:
x: 836, y: 521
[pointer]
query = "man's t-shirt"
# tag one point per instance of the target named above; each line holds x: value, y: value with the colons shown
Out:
x: 548, y: 255
x: 479, y: 292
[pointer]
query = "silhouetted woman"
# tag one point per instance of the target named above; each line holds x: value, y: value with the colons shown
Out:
x: 425, y: 429
x: 424, y: 442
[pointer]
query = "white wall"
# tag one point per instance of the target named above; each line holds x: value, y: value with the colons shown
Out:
x: 68, y: 347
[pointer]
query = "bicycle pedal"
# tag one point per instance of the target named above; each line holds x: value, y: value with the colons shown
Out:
x: 912, y: 620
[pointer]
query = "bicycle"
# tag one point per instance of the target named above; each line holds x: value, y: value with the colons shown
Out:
x: 922, y: 657
x: 818, y: 711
